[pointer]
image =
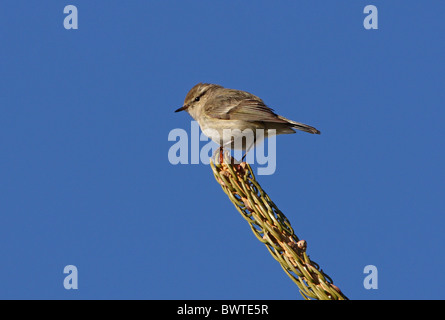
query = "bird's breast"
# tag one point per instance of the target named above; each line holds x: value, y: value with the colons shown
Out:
x: 231, y: 133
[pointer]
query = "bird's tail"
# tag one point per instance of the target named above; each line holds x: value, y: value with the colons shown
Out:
x: 301, y: 126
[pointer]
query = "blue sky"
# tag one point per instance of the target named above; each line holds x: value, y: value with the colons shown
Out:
x: 84, y: 173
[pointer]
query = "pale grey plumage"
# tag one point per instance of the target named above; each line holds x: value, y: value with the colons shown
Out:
x: 218, y: 108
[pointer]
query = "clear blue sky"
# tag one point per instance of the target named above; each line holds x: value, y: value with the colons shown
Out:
x: 84, y: 173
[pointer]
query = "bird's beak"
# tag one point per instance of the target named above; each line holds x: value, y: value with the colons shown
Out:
x: 184, y: 107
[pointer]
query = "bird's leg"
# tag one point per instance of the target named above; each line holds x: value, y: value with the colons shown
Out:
x: 248, y: 149
x: 218, y: 155
x: 221, y: 148
x: 244, y: 156
x: 221, y: 154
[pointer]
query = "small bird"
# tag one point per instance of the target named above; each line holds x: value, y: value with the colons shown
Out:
x: 218, y: 109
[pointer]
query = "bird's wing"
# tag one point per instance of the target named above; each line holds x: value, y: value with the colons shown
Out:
x: 242, y: 108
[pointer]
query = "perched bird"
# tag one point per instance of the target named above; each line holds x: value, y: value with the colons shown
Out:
x: 219, y: 111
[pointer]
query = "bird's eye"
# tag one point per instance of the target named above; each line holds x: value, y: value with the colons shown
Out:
x: 197, y: 98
